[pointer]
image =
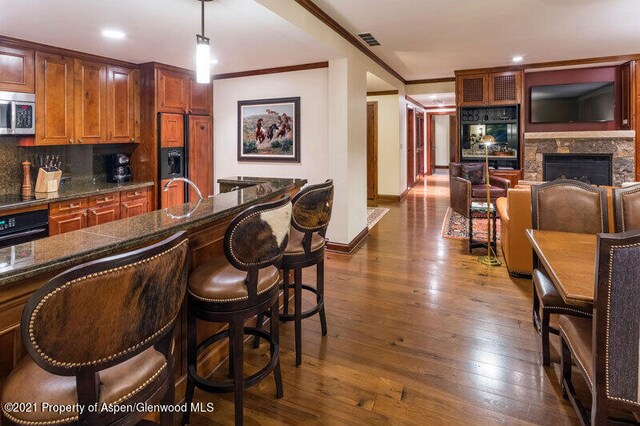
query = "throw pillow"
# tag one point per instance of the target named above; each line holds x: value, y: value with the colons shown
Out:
x: 473, y: 173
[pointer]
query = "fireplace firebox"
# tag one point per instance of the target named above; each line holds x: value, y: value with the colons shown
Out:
x: 594, y: 169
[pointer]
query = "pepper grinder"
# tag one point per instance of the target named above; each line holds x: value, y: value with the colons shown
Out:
x: 26, y: 179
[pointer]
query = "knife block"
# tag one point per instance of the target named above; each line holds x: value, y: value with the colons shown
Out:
x: 48, y: 181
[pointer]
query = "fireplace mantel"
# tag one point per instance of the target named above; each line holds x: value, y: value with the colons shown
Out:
x: 599, y: 134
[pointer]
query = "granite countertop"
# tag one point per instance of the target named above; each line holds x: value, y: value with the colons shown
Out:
x: 63, y: 251
x: 250, y: 180
x: 68, y: 192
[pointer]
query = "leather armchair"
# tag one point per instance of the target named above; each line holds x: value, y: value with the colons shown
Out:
x: 515, y: 219
x: 463, y: 192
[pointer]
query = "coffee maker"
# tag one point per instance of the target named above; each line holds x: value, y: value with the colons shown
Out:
x: 119, y: 168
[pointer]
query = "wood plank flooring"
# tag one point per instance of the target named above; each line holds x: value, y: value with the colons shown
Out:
x: 419, y: 333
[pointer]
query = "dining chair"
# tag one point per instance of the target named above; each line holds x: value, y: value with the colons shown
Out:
x: 605, y: 350
x: 626, y: 207
x: 567, y: 206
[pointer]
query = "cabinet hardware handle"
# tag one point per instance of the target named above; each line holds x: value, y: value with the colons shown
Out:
x: 79, y: 140
x: 94, y: 211
x: 132, y: 140
x: 70, y: 140
x: 84, y: 214
x: 73, y: 206
x: 202, y: 127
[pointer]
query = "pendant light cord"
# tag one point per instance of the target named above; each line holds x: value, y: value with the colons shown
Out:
x: 202, y: 1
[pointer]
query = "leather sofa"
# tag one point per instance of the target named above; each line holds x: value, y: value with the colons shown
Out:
x: 463, y: 191
x: 515, y: 218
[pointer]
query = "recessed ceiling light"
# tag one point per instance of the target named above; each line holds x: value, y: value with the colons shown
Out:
x: 432, y: 97
x: 113, y: 34
x: 517, y: 59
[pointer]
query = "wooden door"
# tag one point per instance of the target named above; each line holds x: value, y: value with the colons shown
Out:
x: 472, y: 89
x: 454, y: 145
x: 432, y: 144
x: 505, y: 88
x: 90, y: 105
x: 420, y: 144
x: 200, y: 155
x: 121, y: 104
x: 59, y: 224
x: 200, y: 98
x: 54, y: 99
x: 133, y: 208
x: 174, y: 196
x: 171, y: 130
x: 17, y: 70
x: 410, y: 148
x: 172, y: 91
x: 626, y: 101
x: 372, y: 151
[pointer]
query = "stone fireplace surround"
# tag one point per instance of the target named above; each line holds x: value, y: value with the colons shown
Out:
x: 620, y: 144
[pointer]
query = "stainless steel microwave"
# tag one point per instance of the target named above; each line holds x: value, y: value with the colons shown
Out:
x: 17, y: 113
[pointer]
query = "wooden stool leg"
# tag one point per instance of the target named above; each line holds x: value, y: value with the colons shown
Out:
x: 236, y: 337
x: 546, y: 355
x: 285, y: 288
x: 320, y: 295
x: 565, y: 367
x: 298, y: 314
x: 192, y: 361
x: 470, y: 233
x: 275, y: 335
x: 259, y: 322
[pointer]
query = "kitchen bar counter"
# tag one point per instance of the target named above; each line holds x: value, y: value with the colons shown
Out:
x: 62, y: 251
x: 68, y: 191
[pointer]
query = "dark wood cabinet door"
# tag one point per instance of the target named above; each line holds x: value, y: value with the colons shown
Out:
x: 200, y: 98
x: 59, y: 224
x: 100, y: 215
x: 133, y: 208
x: 174, y: 196
x: 54, y: 99
x: 505, y: 88
x: 90, y: 89
x: 200, y: 155
x: 472, y: 89
x: 172, y: 91
x: 121, y: 104
x: 172, y: 130
x: 17, y: 70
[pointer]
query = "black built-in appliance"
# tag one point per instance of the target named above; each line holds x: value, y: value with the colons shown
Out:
x: 17, y: 113
x: 20, y: 228
x: 119, y: 168
x: 501, y: 122
x: 573, y: 103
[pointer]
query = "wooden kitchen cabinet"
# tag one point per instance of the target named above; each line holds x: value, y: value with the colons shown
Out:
x: 200, y: 98
x: 60, y: 224
x: 472, y: 89
x: 122, y: 104
x: 54, y: 99
x: 171, y: 131
x: 90, y: 101
x: 504, y: 88
x: 200, y: 155
x: 173, y: 88
x: 17, y: 69
x: 174, y: 196
x: 134, y: 202
x: 103, y: 209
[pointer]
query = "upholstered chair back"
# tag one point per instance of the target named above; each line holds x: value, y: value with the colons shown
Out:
x: 626, y: 205
x: 569, y: 206
x: 104, y: 312
x: 257, y: 237
x: 616, y: 331
x: 312, y: 208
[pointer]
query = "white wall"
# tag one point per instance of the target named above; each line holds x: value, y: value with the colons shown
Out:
x: 388, y: 144
x: 442, y: 139
x: 311, y: 86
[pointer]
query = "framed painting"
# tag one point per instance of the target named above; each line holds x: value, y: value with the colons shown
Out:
x: 269, y: 130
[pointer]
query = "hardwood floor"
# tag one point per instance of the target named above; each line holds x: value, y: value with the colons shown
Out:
x: 419, y: 333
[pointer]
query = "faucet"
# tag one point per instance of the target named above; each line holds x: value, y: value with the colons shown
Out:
x: 190, y: 212
x: 193, y: 185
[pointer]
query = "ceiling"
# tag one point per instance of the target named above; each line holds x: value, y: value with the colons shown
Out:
x: 424, y: 39
x: 436, y: 99
x: 376, y: 84
x: 244, y: 35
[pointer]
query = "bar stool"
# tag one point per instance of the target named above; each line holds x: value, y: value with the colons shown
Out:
x: 311, y: 214
x: 236, y: 289
x: 101, y: 333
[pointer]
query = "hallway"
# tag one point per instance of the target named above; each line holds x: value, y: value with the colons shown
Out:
x: 419, y: 333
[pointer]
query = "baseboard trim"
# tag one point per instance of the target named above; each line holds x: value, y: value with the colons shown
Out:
x: 348, y: 248
x: 384, y: 197
x: 403, y: 196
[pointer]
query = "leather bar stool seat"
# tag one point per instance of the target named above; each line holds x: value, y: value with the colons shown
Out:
x: 146, y: 370
x: 295, y: 246
x: 219, y: 281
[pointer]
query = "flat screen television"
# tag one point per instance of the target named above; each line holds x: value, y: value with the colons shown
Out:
x: 573, y: 103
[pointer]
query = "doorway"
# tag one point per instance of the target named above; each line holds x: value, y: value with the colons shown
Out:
x: 419, y: 145
x: 410, y: 147
x: 441, y: 136
x: 372, y: 153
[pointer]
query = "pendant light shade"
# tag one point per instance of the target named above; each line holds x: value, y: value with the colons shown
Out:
x: 203, y: 54
x: 203, y: 60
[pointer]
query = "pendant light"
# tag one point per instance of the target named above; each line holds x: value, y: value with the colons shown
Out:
x: 203, y: 54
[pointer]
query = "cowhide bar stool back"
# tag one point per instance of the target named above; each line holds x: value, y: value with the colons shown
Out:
x: 102, y: 333
x: 235, y: 289
x: 312, y: 208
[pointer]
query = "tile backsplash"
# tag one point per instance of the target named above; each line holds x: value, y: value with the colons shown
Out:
x: 79, y: 162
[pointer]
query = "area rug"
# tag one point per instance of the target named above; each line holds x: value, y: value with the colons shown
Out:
x: 374, y: 214
x: 456, y: 227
